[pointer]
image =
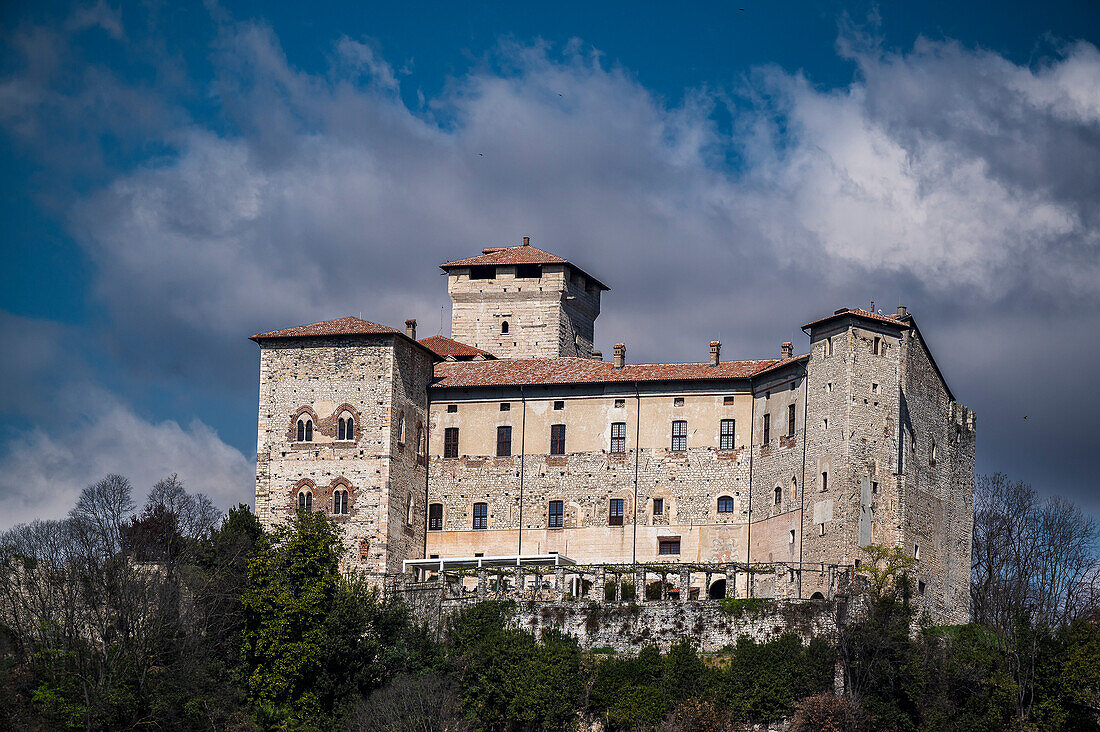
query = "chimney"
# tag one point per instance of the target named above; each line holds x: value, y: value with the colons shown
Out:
x: 410, y: 328
x: 620, y: 355
x: 526, y: 241
x: 902, y: 312
x: 715, y: 349
x: 597, y: 354
x: 787, y: 349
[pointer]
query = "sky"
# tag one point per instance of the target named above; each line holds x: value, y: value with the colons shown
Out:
x: 177, y: 177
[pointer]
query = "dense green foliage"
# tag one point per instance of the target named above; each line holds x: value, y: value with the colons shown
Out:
x: 172, y: 619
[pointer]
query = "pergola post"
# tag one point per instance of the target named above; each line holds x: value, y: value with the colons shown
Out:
x: 639, y: 584
x: 618, y: 587
x: 559, y: 584
x: 482, y: 583
x: 685, y: 585
x: 731, y: 581
x: 519, y: 583
x: 599, y: 585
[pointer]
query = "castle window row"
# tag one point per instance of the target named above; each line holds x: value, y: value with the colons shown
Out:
x: 339, y: 501
x: 727, y: 438
x: 304, y: 426
x: 555, y: 514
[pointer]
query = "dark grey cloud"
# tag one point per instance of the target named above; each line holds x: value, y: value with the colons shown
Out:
x: 946, y: 177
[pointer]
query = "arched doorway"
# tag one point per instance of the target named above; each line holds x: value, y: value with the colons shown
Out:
x: 717, y: 590
x: 817, y: 596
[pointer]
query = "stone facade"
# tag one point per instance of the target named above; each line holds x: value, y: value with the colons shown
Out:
x: 380, y: 381
x: 790, y: 460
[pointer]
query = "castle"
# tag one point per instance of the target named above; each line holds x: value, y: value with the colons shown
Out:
x: 514, y: 438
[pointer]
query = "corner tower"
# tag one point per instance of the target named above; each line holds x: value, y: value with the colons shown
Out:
x: 522, y: 302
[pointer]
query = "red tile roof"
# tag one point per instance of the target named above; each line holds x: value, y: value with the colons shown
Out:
x: 443, y: 347
x: 341, y: 326
x: 529, y: 371
x: 859, y: 313
x: 522, y: 254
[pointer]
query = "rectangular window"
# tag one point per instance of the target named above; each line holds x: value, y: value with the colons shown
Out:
x: 483, y: 272
x: 790, y: 537
x: 668, y: 545
x: 559, y: 405
x: 528, y: 271
x: 920, y: 587
x: 505, y: 406
x: 677, y: 401
x: 557, y: 439
x: 615, y: 512
x: 556, y: 513
x: 435, y: 517
x: 874, y: 488
x: 877, y: 347
x: 727, y: 401
x: 767, y: 429
x: 620, y: 403
x: 452, y: 408
x: 726, y: 437
x: 658, y: 506
x: 916, y: 552
x: 618, y: 437
x: 824, y: 482
x: 481, y: 515
x: 450, y: 442
x: 679, y: 434
x: 790, y: 420
x: 504, y: 440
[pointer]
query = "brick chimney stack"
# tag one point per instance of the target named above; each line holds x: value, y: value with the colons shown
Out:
x: 526, y: 241
x: 620, y: 355
x: 410, y: 328
x: 787, y: 349
x: 715, y: 350
x: 902, y: 312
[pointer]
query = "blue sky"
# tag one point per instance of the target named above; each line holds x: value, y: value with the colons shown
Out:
x: 177, y: 177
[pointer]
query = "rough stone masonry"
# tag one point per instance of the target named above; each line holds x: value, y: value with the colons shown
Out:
x: 514, y: 438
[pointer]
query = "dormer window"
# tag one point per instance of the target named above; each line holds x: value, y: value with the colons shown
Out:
x: 305, y: 430
x: 345, y: 428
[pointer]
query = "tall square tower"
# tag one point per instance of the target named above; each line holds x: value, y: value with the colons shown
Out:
x: 522, y: 302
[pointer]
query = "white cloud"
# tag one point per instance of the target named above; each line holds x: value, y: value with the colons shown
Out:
x: 43, y: 472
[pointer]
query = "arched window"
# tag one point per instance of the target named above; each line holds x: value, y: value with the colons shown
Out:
x: 346, y: 429
x: 305, y: 500
x: 778, y: 495
x: 340, y: 501
x: 504, y: 326
x: 305, y: 430
x: 409, y: 511
x: 932, y: 454
x: 725, y: 504
x: 420, y: 447
x: 301, y: 430
x: 794, y: 488
x: 401, y: 427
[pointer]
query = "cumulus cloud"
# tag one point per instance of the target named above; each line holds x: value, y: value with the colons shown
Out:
x: 66, y: 431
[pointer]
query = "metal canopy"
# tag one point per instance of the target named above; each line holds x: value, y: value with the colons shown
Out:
x: 525, y: 560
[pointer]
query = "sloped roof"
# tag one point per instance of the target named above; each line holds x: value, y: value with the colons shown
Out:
x: 338, y: 327
x: 522, y: 254
x: 569, y: 370
x: 859, y: 313
x: 444, y: 347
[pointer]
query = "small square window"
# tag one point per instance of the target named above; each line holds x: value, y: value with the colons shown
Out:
x: 668, y: 546
x: 678, y: 401
x: 452, y: 408
x: 727, y: 401
x: 920, y: 587
x: 505, y: 406
x: 874, y: 388
x: 559, y: 405
x: 620, y: 403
